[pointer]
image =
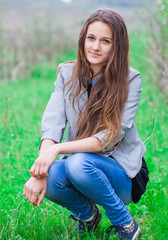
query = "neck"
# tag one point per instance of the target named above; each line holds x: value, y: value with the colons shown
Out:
x: 97, y: 74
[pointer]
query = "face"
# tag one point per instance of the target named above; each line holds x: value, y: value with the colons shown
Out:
x: 98, y: 44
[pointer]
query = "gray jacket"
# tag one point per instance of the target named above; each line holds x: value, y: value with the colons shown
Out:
x: 59, y: 113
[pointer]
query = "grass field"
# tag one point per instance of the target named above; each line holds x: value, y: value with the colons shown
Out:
x: 21, y: 108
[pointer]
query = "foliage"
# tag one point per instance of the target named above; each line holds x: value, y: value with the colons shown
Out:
x: 159, y: 44
x: 25, y: 50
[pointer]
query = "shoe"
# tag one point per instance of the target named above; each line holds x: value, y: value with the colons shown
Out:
x: 84, y: 226
x: 131, y: 233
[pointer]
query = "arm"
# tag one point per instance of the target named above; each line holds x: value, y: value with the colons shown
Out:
x: 90, y: 144
x: 46, y: 143
x: 54, y: 117
x: 48, y: 153
x: 52, y: 127
x: 43, y: 162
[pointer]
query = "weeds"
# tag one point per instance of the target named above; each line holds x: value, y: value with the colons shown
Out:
x: 25, y: 49
x: 159, y: 36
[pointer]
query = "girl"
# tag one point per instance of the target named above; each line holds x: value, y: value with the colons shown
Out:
x: 102, y: 158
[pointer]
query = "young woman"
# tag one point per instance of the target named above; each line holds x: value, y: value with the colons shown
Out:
x: 102, y: 158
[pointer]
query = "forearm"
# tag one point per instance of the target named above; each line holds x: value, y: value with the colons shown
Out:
x: 50, y: 153
x: 46, y: 143
x: 91, y: 144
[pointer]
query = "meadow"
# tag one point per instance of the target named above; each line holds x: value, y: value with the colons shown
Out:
x: 22, y: 104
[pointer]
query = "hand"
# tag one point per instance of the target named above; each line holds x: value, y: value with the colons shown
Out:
x: 32, y: 188
x: 43, y: 162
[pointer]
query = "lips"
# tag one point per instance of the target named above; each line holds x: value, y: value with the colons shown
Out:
x: 95, y: 54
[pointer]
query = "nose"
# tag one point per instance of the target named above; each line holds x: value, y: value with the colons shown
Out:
x: 96, y: 46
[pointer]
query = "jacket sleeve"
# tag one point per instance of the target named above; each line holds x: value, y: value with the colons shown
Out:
x: 130, y: 108
x: 54, y: 117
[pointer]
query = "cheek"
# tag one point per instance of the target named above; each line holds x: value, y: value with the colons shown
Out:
x: 107, y: 51
x: 86, y: 46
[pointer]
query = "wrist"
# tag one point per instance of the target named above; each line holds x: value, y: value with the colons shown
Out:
x: 55, y: 149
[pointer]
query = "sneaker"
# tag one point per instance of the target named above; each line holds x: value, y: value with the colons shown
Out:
x: 84, y: 226
x: 131, y: 233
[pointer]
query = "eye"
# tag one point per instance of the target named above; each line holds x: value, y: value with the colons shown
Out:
x: 90, y: 38
x: 106, y: 41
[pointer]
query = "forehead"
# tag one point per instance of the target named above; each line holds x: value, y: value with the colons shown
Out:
x: 100, y: 29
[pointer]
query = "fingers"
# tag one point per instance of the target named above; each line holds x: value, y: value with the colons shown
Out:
x: 30, y: 194
x: 26, y: 192
x: 36, y: 169
x: 41, y: 197
x: 39, y: 170
x: 43, y: 172
x: 32, y: 169
x: 33, y: 187
x: 34, y: 198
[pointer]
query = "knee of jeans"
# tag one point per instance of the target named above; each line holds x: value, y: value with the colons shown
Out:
x: 55, y: 179
x: 76, y: 165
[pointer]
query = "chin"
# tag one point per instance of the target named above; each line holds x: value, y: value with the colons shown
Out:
x: 94, y: 61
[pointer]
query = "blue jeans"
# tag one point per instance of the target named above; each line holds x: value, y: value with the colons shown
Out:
x: 86, y: 178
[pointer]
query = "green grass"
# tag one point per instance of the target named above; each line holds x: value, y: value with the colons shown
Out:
x: 22, y: 105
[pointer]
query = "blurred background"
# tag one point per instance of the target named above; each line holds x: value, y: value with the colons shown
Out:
x: 33, y: 32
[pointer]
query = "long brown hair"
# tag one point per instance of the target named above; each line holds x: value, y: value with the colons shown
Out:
x: 104, y: 107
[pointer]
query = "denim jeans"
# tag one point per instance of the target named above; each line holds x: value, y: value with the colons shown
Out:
x: 86, y: 178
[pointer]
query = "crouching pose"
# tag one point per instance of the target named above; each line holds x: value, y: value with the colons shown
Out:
x: 95, y: 99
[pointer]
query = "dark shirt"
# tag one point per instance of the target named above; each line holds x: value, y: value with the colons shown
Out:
x: 139, y: 182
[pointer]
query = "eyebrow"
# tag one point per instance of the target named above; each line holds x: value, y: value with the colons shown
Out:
x: 91, y: 34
